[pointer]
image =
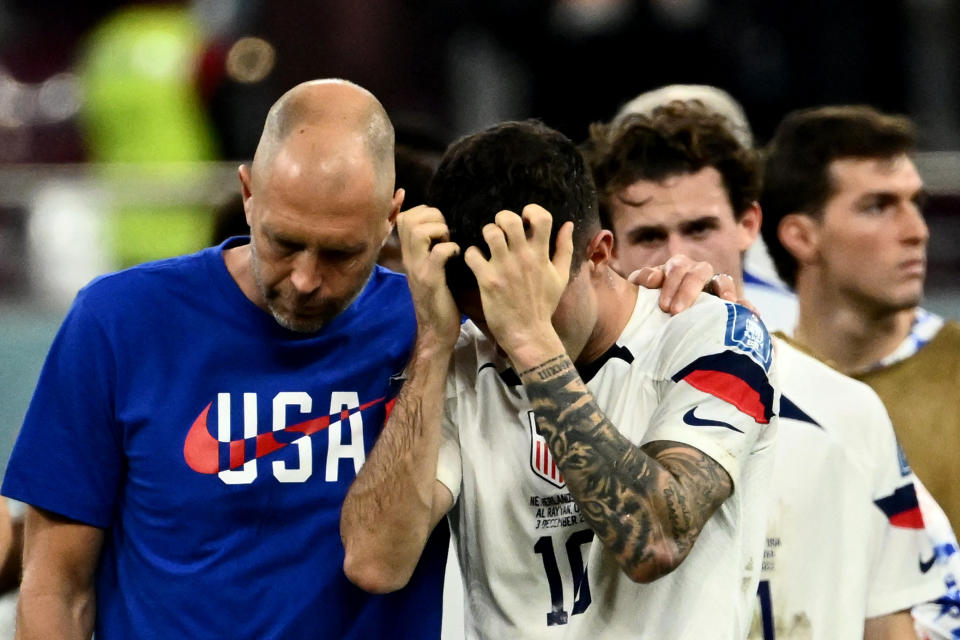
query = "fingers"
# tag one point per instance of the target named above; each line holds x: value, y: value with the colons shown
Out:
x: 564, y: 253
x: 424, y: 236
x: 496, y: 239
x: 540, y: 223
x: 648, y: 277
x: 510, y: 235
x: 722, y: 286
x: 474, y: 259
x: 443, y: 251
x: 421, y: 226
x: 683, y: 281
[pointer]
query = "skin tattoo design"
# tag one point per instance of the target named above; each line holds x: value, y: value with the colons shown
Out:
x: 605, y: 471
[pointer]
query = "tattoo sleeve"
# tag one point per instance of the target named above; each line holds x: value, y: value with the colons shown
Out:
x: 646, y: 504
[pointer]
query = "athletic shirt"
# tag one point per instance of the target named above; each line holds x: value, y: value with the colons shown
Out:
x: 216, y: 448
x: 846, y: 539
x: 922, y: 395
x: 776, y: 304
x: 531, y: 566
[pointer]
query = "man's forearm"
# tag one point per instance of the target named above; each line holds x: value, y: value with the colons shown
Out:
x: 45, y: 616
x: 388, y: 512
x: 636, y: 504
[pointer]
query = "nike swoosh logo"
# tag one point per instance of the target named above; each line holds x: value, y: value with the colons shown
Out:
x: 202, y: 451
x: 925, y: 566
x: 694, y: 421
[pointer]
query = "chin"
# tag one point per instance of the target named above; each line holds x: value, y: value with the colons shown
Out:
x: 299, y: 325
x: 904, y: 301
x: 303, y: 324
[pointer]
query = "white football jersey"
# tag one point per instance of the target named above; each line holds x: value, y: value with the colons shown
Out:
x: 940, y: 620
x: 530, y: 564
x: 777, y: 305
x: 846, y: 538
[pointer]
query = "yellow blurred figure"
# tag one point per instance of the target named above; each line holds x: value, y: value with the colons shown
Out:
x: 141, y: 106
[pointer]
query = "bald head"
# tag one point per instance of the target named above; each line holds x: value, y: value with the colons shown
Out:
x: 320, y: 201
x: 330, y: 125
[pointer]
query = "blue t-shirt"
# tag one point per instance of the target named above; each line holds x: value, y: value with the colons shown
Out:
x: 216, y: 448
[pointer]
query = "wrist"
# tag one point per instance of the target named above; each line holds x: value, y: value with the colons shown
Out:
x: 532, y: 352
x: 432, y: 344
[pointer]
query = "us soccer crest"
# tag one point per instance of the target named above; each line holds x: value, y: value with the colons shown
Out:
x: 541, y: 460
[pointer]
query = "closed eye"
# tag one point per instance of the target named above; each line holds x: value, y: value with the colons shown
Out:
x: 285, y: 246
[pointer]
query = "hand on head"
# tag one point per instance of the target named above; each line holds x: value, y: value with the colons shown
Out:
x: 520, y: 285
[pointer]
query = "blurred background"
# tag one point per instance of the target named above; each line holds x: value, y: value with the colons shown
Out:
x: 122, y: 123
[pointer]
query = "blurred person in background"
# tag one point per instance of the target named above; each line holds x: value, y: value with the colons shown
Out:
x: 845, y: 545
x: 845, y: 228
x: 844, y: 201
x: 199, y: 419
x: 142, y: 111
x: 762, y: 287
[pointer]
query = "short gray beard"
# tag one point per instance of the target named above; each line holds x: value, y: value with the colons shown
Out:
x: 286, y: 322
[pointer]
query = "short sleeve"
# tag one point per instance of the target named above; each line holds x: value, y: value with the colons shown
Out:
x: 904, y: 572
x: 449, y: 465
x: 68, y: 457
x: 717, y: 384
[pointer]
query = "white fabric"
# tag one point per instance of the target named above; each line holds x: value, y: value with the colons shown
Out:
x: 832, y: 556
x: 514, y: 526
x: 940, y: 620
x: 777, y: 305
x: 925, y: 327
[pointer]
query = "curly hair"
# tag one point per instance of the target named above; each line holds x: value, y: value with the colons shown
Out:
x: 509, y: 166
x: 680, y: 137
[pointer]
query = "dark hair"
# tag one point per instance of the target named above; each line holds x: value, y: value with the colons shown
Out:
x: 680, y: 137
x: 509, y: 166
x: 797, y: 163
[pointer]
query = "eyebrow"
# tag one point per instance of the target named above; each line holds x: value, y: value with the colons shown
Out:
x: 920, y: 195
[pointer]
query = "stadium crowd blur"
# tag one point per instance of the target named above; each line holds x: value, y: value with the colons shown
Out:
x: 180, y: 82
x: 99, y: 86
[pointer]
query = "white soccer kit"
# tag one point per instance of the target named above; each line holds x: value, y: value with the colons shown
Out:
x: 530, y: 564
x: 845, y: 539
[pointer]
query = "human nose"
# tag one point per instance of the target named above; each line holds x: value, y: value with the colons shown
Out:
x: 305, y: 275
x: 913, y: 225
x: 677, y: 245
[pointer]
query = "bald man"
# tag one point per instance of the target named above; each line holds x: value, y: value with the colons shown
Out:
x: 199, y: 419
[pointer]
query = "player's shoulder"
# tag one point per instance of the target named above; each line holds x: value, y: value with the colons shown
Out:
x: 384, y: 277
x: 713, y: 325
x: 948, y: 338
x: 389, y: 292
x: 846, y: 410
x: 145, y: 281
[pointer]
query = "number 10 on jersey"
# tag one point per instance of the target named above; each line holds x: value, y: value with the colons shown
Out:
x: 578, y: 570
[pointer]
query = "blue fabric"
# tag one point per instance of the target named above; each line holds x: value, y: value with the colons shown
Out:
x: 189, y: 552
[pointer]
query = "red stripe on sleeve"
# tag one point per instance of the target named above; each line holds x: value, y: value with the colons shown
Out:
x: 731, y: 389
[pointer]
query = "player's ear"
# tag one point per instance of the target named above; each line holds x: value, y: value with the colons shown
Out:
x: 396, y: 203
x: 599, y: 250
x: 799, y: 233
x: 246, y: 189
x: 748, y: 226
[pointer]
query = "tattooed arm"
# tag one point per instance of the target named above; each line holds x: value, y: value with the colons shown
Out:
x: 646, y: 504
